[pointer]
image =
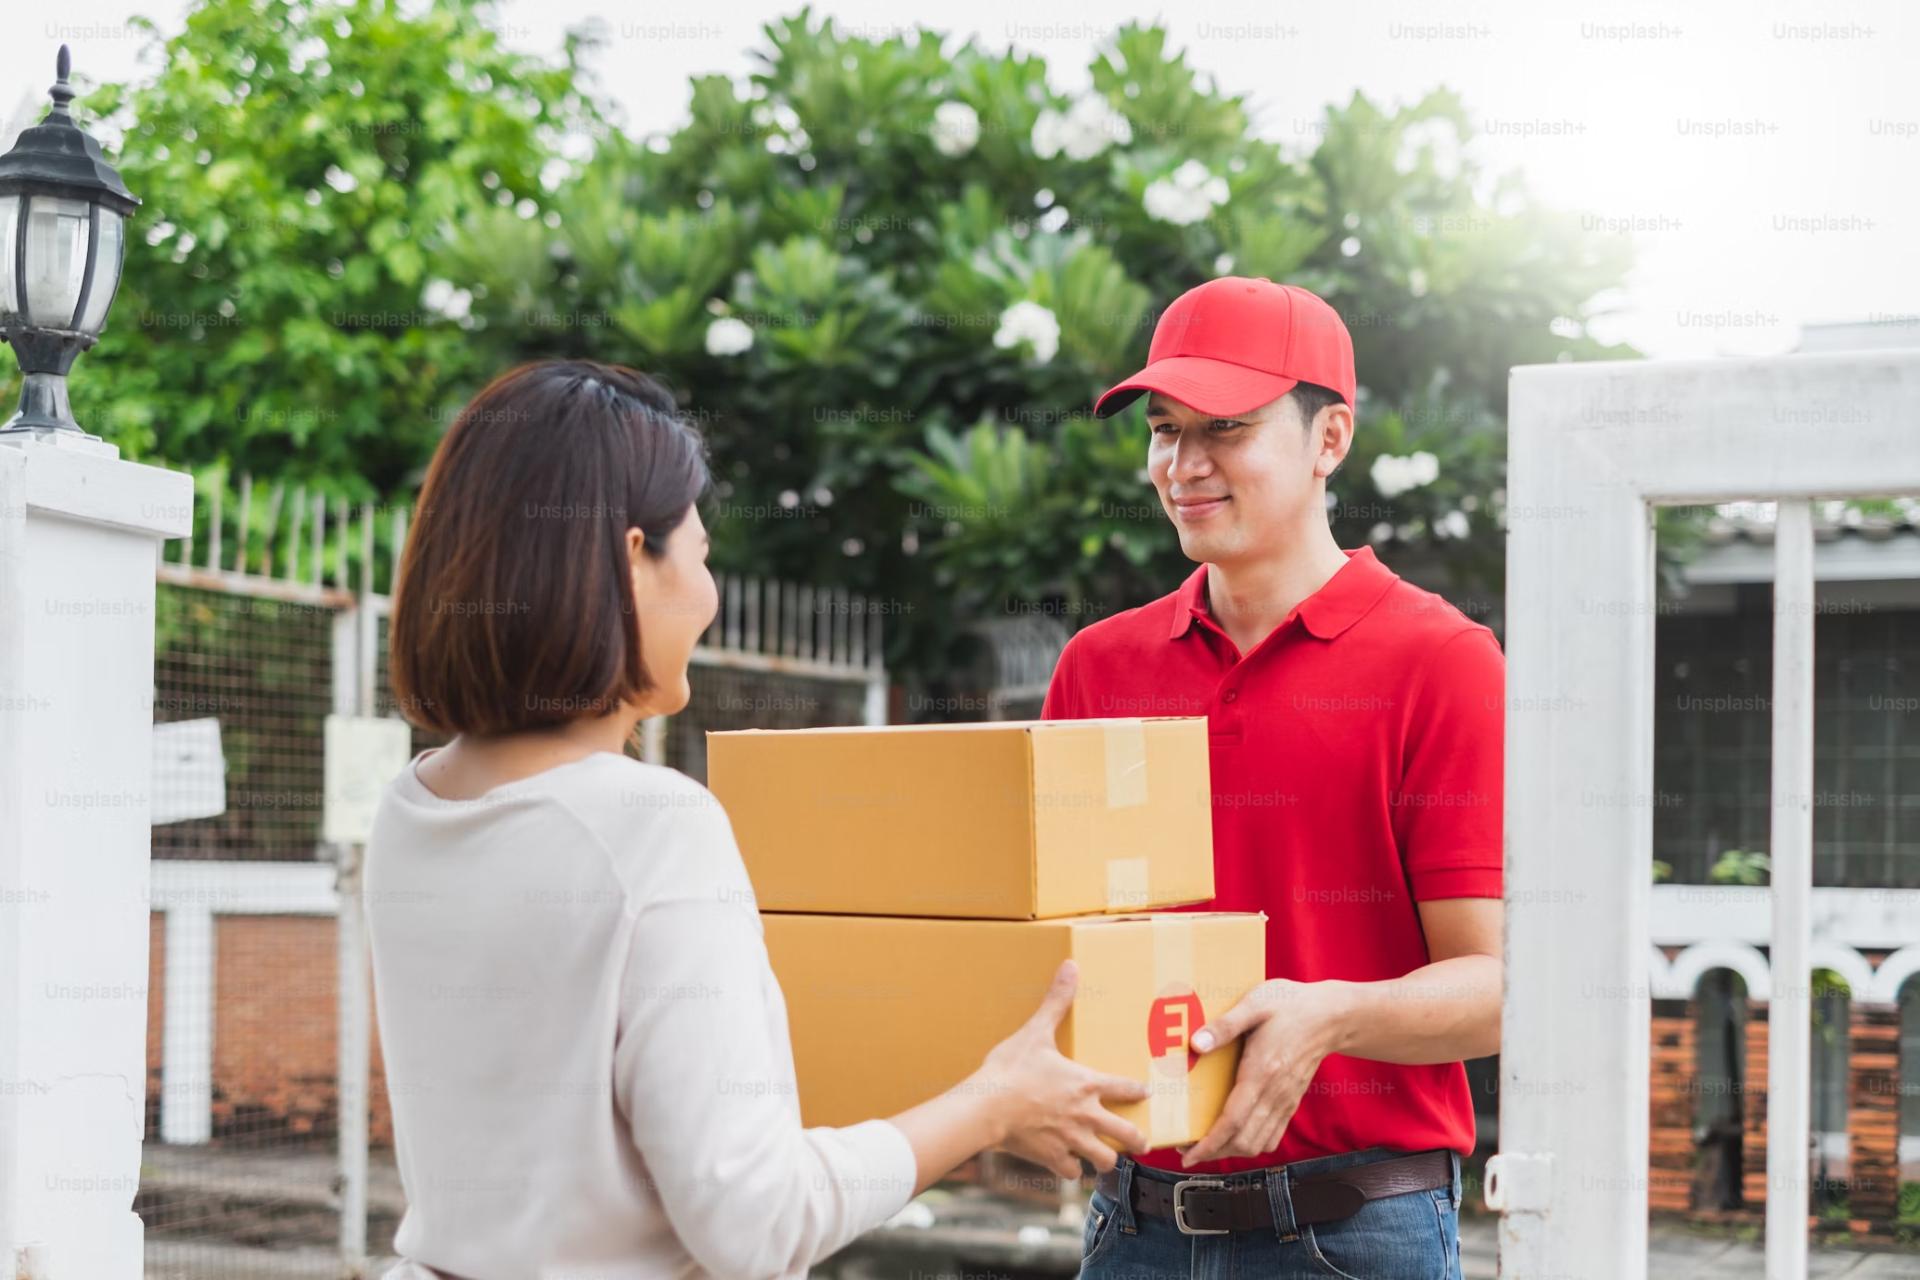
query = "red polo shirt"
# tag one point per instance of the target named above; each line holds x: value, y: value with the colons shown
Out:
x: 1357, y: 770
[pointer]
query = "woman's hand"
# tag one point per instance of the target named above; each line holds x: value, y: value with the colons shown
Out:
x: 1048, y: 1108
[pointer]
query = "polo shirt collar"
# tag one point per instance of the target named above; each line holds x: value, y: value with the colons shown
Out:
x: 1341, y: 601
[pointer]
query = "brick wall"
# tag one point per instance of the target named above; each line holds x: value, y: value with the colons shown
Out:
x: 1873, y: 1111
x: 275, y: 1032
x: 156, y: 1009
x: 1670, y: 1134
x: 1753, y: 1180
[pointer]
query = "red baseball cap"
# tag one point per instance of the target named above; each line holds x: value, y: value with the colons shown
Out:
x: 1234, y: 344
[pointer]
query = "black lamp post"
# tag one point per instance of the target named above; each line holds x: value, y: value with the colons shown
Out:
x: 63, y: 214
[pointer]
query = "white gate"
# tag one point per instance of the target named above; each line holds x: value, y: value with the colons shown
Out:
x: 1593, y: 449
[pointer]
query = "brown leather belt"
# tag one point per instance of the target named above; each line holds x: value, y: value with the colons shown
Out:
x: 1213, y: 1206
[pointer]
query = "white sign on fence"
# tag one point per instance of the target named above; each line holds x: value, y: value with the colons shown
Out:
x: 363, y: 755
x: 189, y: 771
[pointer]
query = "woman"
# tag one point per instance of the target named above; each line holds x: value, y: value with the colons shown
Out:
x: 586, y: 1051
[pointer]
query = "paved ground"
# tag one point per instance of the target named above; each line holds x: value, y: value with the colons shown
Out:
x: 271, y: 1216
x: 1675, y: 1256
x: 1675, y: 1253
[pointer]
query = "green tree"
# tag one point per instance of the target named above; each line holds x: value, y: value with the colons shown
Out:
x: 299, y: 160
x: 890, y: 275
x: 887, y: 276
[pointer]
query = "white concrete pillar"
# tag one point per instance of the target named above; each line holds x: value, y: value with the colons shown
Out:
x: 79, y: 533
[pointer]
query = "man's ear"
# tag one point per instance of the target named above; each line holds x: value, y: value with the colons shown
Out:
x: 1333, y: 431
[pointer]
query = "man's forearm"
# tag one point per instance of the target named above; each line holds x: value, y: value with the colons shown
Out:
x: 1447, y: 1011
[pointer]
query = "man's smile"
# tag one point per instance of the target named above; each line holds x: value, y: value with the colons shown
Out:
x: 1190, y: 509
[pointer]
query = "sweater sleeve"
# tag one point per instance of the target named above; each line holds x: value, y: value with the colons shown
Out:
x: 709, y: 1093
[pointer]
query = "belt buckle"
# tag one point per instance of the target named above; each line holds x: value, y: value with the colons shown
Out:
x: 1180, y: 1206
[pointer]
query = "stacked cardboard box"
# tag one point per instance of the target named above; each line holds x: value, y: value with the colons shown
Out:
x: 920, y: 885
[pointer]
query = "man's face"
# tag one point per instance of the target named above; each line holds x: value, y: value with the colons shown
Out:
x: 1240, y: 486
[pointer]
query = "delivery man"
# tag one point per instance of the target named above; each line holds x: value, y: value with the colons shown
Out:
x: 1355, y: 725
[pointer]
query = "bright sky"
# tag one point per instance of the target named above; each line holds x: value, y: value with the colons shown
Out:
x: 1764, y: 157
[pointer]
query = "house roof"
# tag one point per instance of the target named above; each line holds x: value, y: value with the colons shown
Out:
x: 1832, y: 521
x: 1848, y: 546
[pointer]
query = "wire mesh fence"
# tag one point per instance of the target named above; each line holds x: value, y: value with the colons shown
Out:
x: 243, y: 1101
x: 262, y: 669
x: 729, y: 696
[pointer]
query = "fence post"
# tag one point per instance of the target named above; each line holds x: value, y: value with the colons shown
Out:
x: 653, y: 739
x: 1789, y: 1056
x: 79, y: 537
x: 351, y: 657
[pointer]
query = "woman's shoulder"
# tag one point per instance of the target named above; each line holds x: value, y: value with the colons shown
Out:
x: 637, y: 787
x: 667, y: 835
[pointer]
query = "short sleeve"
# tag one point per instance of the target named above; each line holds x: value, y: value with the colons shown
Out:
x: 1063, y: 701
x: 1449, y: 806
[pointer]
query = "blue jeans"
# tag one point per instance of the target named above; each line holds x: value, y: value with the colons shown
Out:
x: 1415, y: 1236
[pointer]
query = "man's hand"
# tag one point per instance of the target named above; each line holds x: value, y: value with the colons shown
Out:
x: 1290, y: 1027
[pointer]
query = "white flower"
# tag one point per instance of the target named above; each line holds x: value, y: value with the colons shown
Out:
x: 1186, y: 196
x: 1031, y: 323
x: 1169, y: 203
x: 728, y: 336
x: 1393, y: 476
x: 956, y: 127
x: 1087, y: 128
x: 1095, y: 126
x: 441, y: 298
x: 1454, y: 524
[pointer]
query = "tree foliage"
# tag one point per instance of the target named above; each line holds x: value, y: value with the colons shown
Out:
x: 893, y: 427
x: 887, y: 276
x: 300, y: 162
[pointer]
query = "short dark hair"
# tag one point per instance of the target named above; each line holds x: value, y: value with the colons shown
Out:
x: 513, y: 606
x: 1310, y: 398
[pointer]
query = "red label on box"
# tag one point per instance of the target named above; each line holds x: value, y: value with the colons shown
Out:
x: 1171, y: 1022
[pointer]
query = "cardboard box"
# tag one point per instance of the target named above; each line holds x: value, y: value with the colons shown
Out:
x: 1015, y: 820
x: 887, y: 1012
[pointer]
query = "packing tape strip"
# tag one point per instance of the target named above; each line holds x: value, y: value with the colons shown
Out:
x: 1168, y: 1107
x: 1126, y: 743
x: 1127, y: 884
